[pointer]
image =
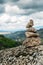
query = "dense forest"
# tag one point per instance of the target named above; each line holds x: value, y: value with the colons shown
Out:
x: 8, y: 43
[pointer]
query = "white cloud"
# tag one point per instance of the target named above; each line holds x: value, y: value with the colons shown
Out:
x: 15, y: 10
x: 38, y: 15
x: 11, y: 23
x: 38, y: 18
x: 30, y: 3
x: 9, y: 9
x: 24, y: 2
x: 4, y: 17
x: 17, y: 13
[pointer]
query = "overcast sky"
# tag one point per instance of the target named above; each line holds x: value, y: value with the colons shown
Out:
x: 15, y: 14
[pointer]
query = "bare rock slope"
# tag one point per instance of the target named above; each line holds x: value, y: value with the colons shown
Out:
x: 22, y: 56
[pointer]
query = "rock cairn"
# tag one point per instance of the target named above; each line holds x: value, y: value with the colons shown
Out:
x: 32, y: 37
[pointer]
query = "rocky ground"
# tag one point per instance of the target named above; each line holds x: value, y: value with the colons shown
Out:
x: 22, y: 56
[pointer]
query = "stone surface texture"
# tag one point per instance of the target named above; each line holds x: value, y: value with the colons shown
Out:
x: 22, y: 56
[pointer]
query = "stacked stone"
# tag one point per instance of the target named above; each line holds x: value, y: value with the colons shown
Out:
x: 32, y: 37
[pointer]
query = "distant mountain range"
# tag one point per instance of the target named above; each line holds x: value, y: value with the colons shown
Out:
x: 40, y: 32
x: 20, y: 35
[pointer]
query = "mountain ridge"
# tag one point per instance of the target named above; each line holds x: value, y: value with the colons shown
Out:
x: 20, y: 35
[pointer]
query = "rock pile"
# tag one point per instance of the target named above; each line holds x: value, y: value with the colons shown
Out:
x: 32, y: 37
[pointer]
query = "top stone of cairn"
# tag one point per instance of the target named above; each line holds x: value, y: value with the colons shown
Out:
x: 30, y: 24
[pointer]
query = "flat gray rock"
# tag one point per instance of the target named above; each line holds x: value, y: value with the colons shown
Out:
x: 31, y: 29
x: 31, y: 34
